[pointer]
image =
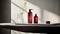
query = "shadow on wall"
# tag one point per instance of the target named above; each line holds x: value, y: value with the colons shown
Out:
x: 50, y: 5
x: 18, y: 6
x: 23, y: 10
x: 59, y: 10
x: 5, y: 11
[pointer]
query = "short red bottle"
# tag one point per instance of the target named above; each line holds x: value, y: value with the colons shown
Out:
x: 35, y: 19
x: 30, y: 16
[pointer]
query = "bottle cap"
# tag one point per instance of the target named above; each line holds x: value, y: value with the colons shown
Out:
x: 30, y: 10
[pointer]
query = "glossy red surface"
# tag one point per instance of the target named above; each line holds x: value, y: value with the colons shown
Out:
x: 35, y: 19
x: 29, y: 16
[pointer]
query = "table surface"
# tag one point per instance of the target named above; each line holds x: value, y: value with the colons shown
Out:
x: 35, y: 28
x: 43, y: 25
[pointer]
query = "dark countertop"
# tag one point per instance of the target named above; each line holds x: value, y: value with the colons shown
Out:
x: 40, y: 28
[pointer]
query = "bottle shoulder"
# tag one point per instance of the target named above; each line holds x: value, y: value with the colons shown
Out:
x: 29, y: 12
x: 35, y: 16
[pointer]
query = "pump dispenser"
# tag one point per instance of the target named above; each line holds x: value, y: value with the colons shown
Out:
x: 35, y: 19
x: 30, y: 16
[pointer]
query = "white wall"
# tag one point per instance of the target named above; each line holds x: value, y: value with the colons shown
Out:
x: 49, y: 8
x: 45, y: 9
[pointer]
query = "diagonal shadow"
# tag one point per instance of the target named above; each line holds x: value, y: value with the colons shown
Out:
x: 18, y: 6
x: 13, y: 20
x: 50, y: 5
x: 41, y: 19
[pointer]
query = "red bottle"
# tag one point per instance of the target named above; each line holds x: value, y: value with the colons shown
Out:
x: 35, y: 19
x: 47, y: 22
x: 30, y: 16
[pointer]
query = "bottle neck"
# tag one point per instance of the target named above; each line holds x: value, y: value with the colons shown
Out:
x: 29, y: 10
x: 35, y: 14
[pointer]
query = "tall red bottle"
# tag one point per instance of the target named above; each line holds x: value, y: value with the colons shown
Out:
x: 35, y: 19
x: 30, y: 16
